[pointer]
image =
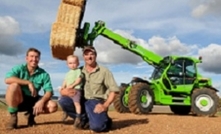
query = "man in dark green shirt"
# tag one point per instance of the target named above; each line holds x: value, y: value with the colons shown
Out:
x: 24, y: 83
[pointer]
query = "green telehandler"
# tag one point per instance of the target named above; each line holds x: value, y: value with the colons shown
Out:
x: 175, y: 81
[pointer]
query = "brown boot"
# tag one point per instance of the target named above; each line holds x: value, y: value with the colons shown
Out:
x: 13, y: 121
x: 77, y: 122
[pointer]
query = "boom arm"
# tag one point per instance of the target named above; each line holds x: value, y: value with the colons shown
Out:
x: 100, y: 29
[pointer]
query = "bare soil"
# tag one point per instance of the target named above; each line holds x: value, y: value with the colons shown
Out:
x: 160, y: 121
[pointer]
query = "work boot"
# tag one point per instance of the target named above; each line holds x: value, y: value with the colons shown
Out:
x: 77, y: 122
x: 30, y: 119
x: 86, y: 126
x: 13, y: 121
x: 109, y: 125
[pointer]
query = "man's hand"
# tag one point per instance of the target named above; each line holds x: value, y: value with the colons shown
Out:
x: 38, y: 107
x: 70, y: 87
x: 32, y: 89
x: 68, y: 92
x: 99, y: 108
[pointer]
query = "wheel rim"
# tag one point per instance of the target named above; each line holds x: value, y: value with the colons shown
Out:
x: 204, y: 102
x: 145, y: 98
x: 124, y: 101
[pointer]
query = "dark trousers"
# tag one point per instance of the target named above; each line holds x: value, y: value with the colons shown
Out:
x: 67, y: 105
x: 28, y: 103
x: 97, y: 122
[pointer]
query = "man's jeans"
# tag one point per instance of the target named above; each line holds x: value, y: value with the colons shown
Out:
x: 97, y: 122
x: 67, y: 105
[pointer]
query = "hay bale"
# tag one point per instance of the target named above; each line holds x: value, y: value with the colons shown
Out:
x: 69, y: 14
x: 79, y: 3
x: 64, y: 30
x: 62, y: 40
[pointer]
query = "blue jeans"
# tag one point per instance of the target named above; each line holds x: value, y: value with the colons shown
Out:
x: 97, y: 122
x: 67, y: 105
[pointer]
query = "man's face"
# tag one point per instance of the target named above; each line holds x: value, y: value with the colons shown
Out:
x: 32, y: 59
x: 89, y: 57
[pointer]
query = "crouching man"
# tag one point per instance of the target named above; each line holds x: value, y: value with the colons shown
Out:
x: 100, y: 89
x: 24, y: 82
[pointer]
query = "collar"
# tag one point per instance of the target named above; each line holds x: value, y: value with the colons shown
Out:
x: 37, y: 69
x: 95, y: 69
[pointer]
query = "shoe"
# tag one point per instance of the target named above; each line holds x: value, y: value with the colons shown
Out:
x: 84, y: 125
x: 64, y: 117
x: 109, y: 123
x: 77, y: 122
x: 13, y: 121
x: 30, y: 119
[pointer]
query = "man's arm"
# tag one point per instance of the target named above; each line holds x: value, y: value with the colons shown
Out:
x: 13, y: 76
x: 112, y: 87
x: 110, y: 99
x: 46, y: 97
x: 47, y: 87
x: 68, y: 92
x: 104, y: 107
x: 14, y: 79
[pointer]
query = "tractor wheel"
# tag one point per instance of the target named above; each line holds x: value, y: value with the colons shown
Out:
x: 180, y: 110
x: 205, y: 102
x: 141, y: 99
x: 120, y: 104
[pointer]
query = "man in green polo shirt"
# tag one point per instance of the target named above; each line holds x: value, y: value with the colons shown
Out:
x: 24, y: 83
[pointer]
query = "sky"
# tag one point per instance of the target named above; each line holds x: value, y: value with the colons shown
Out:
x: 175, y: 27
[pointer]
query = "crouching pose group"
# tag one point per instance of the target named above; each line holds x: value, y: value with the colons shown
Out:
x: 86, y: 92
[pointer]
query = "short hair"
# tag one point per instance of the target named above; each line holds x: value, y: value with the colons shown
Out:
x: 33, y: 50
x: 72, y: 56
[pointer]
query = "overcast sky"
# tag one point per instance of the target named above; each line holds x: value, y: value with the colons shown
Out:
x: 175, y: 27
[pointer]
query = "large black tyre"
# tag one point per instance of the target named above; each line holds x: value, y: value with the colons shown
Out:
x: 205, y: 102
x: 119, y: 104
x: 180, y: 110
x: 135, y: 104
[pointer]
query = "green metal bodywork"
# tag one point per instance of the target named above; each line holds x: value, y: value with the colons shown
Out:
x: 166, y: 90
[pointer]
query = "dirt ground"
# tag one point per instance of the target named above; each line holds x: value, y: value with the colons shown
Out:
x: 161, y: 121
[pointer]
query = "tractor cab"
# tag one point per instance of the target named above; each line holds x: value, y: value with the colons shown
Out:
x: 182, y: 71
x: 178, y: 74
